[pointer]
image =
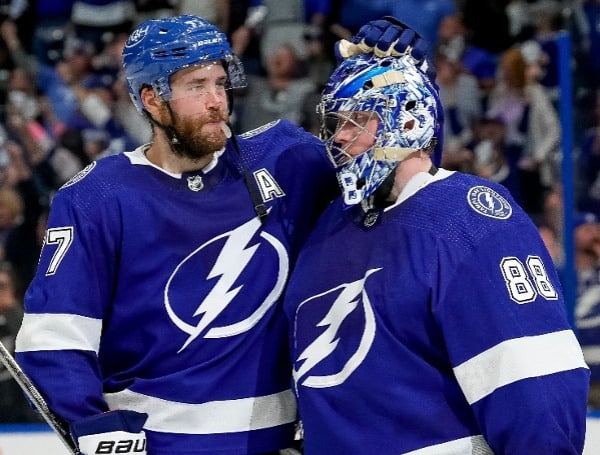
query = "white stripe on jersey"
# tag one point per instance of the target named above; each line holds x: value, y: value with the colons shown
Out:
x: 516, y: 359
x: 57, y: 332
x: 463, y: 446
x: 226, y: 416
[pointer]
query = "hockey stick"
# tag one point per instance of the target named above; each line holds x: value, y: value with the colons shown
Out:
x: 38, y: 401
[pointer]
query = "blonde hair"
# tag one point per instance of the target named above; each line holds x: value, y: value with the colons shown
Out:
x: 13, y: 201
x: 514, y: 68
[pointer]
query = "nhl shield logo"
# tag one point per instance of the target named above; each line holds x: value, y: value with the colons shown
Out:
x: 195, y: 183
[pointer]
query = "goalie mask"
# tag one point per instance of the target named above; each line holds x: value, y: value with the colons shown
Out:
x: 158, y: 48
x: 395, y: 94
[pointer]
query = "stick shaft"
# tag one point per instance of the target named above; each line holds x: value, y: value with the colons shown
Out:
x: 37, y: 399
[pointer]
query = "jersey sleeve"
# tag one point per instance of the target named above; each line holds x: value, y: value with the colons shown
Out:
x: 59, y: 340
x: 512, y: 350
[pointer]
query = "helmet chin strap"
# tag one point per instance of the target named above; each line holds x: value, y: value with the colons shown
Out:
x: 169, y: 130
x: 381, y: 194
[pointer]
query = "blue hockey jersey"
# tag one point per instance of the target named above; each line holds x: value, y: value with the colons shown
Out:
x: 438, y: 330
x: 161, y: 293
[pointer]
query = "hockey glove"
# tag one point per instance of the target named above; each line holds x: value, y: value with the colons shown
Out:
x: 111, y: 432
x: 386, y: 37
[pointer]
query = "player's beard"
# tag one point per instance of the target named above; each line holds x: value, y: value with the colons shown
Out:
x: 194, y: 143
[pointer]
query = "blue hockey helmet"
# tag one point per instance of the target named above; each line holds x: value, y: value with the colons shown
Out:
x: 408, y: 111
x: 158, y: 48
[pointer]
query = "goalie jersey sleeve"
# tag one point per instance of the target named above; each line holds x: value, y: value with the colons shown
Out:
x: 161, y: 293
x: 439, y: 330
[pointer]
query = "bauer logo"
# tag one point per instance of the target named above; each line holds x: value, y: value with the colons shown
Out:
x: 487, y: 202
x: 122, y: 446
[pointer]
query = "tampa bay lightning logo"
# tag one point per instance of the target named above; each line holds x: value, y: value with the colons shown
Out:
x: 488, y: 202
x: 137, y: 35
x: 349, y: 299
x: 235, y: 251
x: 80, y: 175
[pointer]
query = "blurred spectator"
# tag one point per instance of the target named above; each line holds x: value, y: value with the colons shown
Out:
x: 319, y: 40
x: 520, y: 21
x: 11, y: 212
x: 552, y: 242
x: 587, y: 309
x: 552, y: 214
x: 493, y: 158
x: 591, y: 10
x: 424, y: 16
x: 14, y: 408
x: 347, y: 16
x: 541, y: 48
x: 533, y: 128
x: 588, y: 164
x: 459, y: 93
x: 274, y: 23
x: 483, y: 66
x: 68, y: 158
x: 279, y: 94
x: 95, y: 20
x: 452, y: 37
x: 155, y: 9
x: 134, y: 125
x: 215, y: 11
x: 64, y: 84
x: 244, y: 33
x: 52, y: 21
x: 17, y: 236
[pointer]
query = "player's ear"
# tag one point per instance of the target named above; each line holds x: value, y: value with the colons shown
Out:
x: 152, y: 102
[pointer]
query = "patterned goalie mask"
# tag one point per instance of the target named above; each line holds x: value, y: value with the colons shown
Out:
x: 396, y: 94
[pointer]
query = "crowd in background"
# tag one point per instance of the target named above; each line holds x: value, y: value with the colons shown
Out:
x: 64, y: 103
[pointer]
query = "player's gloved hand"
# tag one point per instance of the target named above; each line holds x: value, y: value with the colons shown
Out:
x: 384, y: 37
x: 111, y: 432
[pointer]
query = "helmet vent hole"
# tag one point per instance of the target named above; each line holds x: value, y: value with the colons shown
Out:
x: 411, y: 105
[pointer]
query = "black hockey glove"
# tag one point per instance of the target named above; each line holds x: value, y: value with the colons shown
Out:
x: 111, y: 432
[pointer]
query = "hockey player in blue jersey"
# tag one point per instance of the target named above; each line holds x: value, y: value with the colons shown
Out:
x: 154, y: 322
x: 426, y: 315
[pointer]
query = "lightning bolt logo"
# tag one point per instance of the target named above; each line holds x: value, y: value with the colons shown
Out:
x: 489, y: 202
x: 350, y: 295
x: 234, y: 257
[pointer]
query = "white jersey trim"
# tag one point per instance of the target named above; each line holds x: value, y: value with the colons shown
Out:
x: 516, y: 359
x: 418, y: 182
x: 213, y: 417
x: 58, y: 332
x: 138, y: 156
x: 464, y: 446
